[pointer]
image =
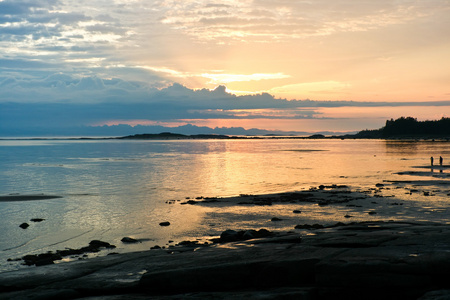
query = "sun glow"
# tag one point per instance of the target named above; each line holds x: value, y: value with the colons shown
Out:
x: 227, y: 78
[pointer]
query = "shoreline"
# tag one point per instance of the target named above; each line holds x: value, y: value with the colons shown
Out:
x: 378, y: 258
x: 174, y: 136
x: 391, y: 260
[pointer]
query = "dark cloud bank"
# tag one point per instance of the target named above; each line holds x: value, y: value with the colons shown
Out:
x: 65, y: 105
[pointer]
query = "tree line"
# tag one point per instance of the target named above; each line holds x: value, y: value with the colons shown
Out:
x: 409, y: 127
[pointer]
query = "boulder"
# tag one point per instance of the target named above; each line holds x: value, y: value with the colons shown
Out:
x: 37, y: 220
x: 229, y: 236
x: 129, y: 240
x: 24, y: 225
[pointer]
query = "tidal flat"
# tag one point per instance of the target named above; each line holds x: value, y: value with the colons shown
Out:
x: 224, y: 220
x: 369, y: 253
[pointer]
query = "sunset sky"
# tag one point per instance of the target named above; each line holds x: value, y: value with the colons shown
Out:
x: 249, y: 63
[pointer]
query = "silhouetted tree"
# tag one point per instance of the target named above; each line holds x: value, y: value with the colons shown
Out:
x: 408, y: 126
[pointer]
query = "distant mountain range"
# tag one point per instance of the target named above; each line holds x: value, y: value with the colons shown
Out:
x: 404, y: 127
x: 125, y: 130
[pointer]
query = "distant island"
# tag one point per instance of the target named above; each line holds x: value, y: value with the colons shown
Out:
x: 401, y: 128
x: 173, y: 136
x: 408, y: 127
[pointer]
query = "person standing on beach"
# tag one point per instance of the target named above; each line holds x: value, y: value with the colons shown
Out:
x: 432, y: 159
x: 441, y: 160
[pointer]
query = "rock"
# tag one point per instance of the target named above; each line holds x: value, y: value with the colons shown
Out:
x: 37, y: 220
x: 276, y: 219
x: 297, y: 211
x: 164, y: 224
x: 129, y: 240
x: 155, y: 247
x: 263, y: 233
x: 308, y: 226
x: 188, y: 243
x: 348, y: 216
x: 372, y: 212
x: 436, y: 295
x: 234, y: 236
x: 249, y: 234
x: 229, y: 236
x: 379, y: 185
x: 49, y: 257
x: 100, y: 244
x: 24, y: 225
x: 41, y: 259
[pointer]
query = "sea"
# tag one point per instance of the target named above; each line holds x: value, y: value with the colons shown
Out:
x: 110, y: 189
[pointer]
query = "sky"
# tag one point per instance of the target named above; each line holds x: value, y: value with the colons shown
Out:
x: 274, y: 64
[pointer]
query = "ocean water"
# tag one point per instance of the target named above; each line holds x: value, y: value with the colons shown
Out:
x: 114, y: 188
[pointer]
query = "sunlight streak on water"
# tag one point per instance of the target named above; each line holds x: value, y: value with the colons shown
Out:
x: 113, y: 189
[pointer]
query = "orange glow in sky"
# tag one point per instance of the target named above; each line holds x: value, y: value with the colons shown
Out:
x: 326, y: 50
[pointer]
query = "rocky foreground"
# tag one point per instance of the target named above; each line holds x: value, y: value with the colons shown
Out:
x: 370, y: 260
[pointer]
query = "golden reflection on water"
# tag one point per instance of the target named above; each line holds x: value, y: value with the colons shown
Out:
x: 119, y: 189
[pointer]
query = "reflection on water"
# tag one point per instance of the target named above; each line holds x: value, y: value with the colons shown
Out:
x: 113, y: 189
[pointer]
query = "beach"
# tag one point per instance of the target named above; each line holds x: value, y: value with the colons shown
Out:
x: 371, y: 258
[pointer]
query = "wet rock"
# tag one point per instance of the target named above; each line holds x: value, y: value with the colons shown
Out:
x: 37, y: 220
x: 372, y: 212
x: 275, y: 219
x: 297, y: 211
x: 379, y: 185
x: 164, y: 224
x: 308, y: 226
x: 263, y: 233
x: 249, y: 234
x: 229, y: 236
x: 24, y: 225
x: 100, y: 244
x: 41, y: 259
x: 436, y: 295
x: 234, y: 236
x: 191, y: 202
x: 189, y: 244
x: 129, y: 240
x: 156, y: 247
x: 348, y: 216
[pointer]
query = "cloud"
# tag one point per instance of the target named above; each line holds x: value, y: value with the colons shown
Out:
x: 78, y: 101
x: 263, y: 20
x: 227, y: 78
x: 311, y: 89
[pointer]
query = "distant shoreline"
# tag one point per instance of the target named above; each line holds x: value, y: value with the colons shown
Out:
x: 176, y: 136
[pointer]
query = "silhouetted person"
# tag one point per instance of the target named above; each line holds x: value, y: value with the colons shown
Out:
x: 441, y: 160
x: 432, y: 159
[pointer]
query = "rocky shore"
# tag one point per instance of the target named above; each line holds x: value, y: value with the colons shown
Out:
x: 366, y: 255
x: 366, y: 260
